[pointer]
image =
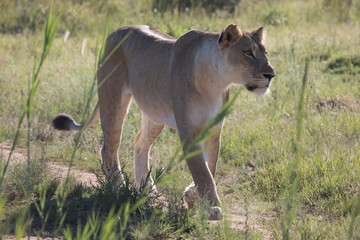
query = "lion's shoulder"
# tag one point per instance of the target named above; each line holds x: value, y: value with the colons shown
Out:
x: 195, y: 38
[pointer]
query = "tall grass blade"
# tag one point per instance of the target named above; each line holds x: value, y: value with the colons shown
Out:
x: 13, y: 146
x: 40, y: 208
x: 102, y: 51
x: 294, y: 176
x: 22, y: 223
x: 108, y: 225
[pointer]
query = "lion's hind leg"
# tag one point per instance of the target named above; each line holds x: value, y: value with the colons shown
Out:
x: 143, y: 141
x: 112, y: 119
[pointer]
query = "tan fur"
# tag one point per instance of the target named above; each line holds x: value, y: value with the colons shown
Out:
x: 182, y: 83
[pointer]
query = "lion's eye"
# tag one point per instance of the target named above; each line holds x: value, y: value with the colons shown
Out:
x: 248, y: 53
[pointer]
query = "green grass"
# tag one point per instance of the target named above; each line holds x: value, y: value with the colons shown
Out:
x: 258, y: 137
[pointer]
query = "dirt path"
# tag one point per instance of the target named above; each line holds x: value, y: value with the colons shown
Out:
x: 245, y: 213
x: 251, y: 219
x: 59, y: 170
x: 237, y: 216
x: 86, y: 178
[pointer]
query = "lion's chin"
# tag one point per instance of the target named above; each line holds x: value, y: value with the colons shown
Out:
x: 259, y: 91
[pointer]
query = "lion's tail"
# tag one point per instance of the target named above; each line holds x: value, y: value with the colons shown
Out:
x: 65, y: 122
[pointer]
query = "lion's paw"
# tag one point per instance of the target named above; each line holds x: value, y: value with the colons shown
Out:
x: 190, y: 195
x: 152, y: 190
x: 214, y: 213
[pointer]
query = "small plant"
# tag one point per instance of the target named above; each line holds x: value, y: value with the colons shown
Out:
x: 17, y: 177
x: 44, y: 216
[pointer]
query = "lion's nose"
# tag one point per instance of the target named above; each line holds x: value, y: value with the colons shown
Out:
x: 269, y: 76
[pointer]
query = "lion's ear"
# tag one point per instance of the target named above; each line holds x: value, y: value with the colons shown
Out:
x: 260, y: 34
x: 230, y: 35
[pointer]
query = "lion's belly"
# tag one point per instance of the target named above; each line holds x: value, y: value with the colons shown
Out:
x: 158, y: 112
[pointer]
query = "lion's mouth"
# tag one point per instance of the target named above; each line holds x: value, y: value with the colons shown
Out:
x: 251, y: 88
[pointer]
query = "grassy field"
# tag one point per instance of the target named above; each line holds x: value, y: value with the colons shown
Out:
x: 261, y: 198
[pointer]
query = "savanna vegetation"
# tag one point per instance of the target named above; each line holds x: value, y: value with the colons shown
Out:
x: 290, y: 161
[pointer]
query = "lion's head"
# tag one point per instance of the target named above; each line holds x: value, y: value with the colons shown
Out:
x: 245, y: 58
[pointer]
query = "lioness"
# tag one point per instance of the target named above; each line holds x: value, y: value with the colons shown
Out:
x: 182, y: 83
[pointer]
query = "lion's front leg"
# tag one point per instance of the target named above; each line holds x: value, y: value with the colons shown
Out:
x: 212, y: 147
x: 203, y: 180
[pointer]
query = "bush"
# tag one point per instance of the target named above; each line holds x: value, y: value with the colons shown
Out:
x: 20, y: 15
x: 182, y: 6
